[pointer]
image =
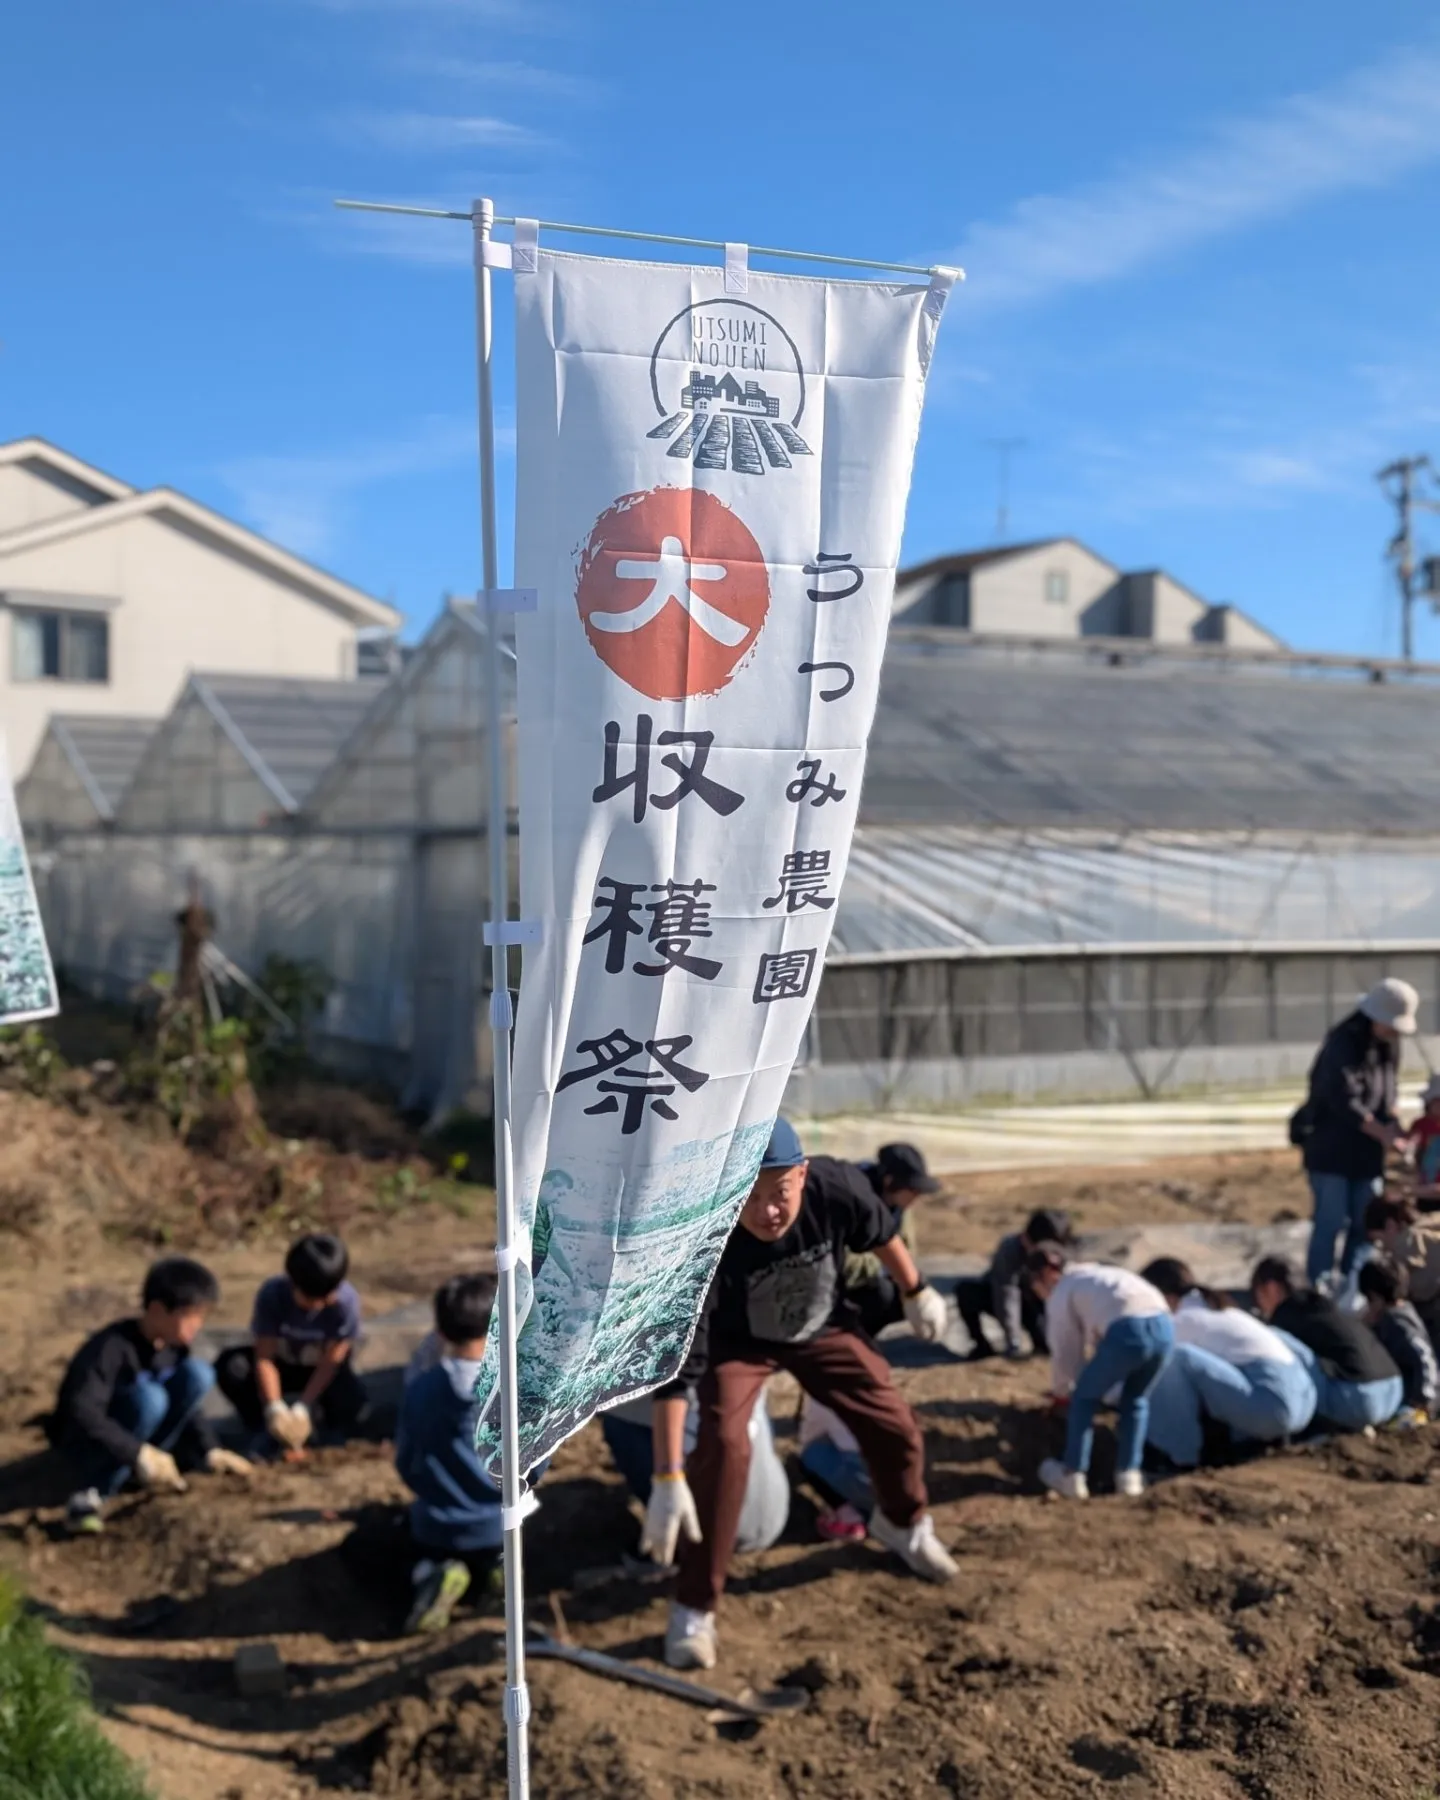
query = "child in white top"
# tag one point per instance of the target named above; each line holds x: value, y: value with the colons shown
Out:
x: 1121, y: 1324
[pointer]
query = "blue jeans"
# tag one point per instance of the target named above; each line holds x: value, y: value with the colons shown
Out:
x: 1349, y: 1405
x: 156, y: 1408
x: 1129, y: 1356
x: 1340, y: 1202
x: 843, y: 1472
x: 1260, y: 1401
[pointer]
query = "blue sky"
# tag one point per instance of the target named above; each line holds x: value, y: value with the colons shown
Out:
x: 1204, y: 276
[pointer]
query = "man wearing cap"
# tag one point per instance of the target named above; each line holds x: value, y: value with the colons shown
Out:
x: 1348, y: 1120
x: 899, y: 1178
x: 777, y: 1302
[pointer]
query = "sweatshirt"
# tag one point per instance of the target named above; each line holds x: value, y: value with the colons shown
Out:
x: 1088, y: 1300
x: 1234, y: 1336
x: 1403, y: 1334
x: 1343, y: 1344
x: 105, y: 1363
x: 456, y: 1506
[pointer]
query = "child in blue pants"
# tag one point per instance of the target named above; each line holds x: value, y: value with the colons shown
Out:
x: 129, y: 1403
x: 1124, y: 1326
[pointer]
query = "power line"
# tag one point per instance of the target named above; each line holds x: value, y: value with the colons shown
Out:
x: 1400, y: 480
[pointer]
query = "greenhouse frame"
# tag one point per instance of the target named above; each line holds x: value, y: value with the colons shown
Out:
x: 1082, y: 869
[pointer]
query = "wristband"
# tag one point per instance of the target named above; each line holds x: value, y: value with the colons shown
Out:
x: 919, y: 1288
x: 669, y: 1475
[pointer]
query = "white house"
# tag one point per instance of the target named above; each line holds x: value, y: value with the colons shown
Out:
x: 1059, y: 588
x: 110, y: 596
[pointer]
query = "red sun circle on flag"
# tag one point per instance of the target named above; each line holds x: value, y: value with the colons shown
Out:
x: 673, y: 591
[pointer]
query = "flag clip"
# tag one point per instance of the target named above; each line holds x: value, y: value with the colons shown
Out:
x: 507, y: 1257
x: 494, y: 254
x: 737, y: 268
x: 517, y: 1705
x: 513, y: 1517
x: 514, y: 931
x: 526, y: 246
x: 502, y: 1013
x: 509, y: 600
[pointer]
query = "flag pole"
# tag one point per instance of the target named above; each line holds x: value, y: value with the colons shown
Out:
x: 517, y: 1695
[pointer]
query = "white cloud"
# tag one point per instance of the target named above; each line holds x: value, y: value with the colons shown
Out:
x: 420, y: 133
x: 302, y: 501
x: 1364, y: 131
x: 512, y: 77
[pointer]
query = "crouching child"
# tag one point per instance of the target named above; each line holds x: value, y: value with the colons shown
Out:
x: 299, y: 1375
x: 1356, y: 1380
x: 1402, y: 1331
x: 129, y: 1403
x: 1107, y: 1327
x: 454, y: 1521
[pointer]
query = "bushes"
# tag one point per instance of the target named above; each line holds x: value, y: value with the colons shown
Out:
x: 51, y: 1747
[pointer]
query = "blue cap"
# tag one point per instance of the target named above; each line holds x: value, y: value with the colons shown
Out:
x: 783, y: 1151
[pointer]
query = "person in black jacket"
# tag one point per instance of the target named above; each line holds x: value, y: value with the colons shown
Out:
x: 1356, y: 1380
x: 1348, y: 1120
x: 130, y: 1401
x: 1383, y: 1287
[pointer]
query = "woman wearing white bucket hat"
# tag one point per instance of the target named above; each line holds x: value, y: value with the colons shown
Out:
x: 1348, y: 1120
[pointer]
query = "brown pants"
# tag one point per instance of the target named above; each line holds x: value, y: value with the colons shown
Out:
x: 843, y: 1371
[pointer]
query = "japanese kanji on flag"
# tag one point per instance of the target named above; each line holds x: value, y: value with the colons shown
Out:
x: 27, y: 980
x: 710, y: 496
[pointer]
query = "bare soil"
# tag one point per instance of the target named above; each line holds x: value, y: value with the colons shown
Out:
x: 1265, y: 1632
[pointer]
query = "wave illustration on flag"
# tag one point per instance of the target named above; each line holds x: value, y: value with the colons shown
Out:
x: 27, y: 980
x: 711, y: 491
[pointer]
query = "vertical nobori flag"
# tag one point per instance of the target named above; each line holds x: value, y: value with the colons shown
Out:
x: 27, y: 981
x: 711, y: 492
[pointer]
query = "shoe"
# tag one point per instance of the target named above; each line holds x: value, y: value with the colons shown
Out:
x: 1069, y: 1484
x: 83, y: 1517
x: 1129, y: 1483
x: 690, y: 1639
x: 981, y: 1350
x: 439, y: 1589
x: 917, y: 1546
x: 842, y: 1526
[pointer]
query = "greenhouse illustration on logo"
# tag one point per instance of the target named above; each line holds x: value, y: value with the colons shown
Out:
x: 721, y: 375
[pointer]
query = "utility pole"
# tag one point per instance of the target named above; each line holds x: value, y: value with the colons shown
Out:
x: 1399, y: 480
x: 1003, y: 448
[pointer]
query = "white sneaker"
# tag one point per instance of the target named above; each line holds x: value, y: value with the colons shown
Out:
x: 690, y: 1639
x: 1069, y: 1484
x: 1130, y: 1483
x: 917, y: 1546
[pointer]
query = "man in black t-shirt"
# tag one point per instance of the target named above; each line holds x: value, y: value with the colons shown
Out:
x: 777, y: 1302
x: 1356, y: 1380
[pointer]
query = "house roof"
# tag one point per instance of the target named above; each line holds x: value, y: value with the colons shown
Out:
x: 963, y: 561
x: 37, y: 450
x: 184, y: 514
x: 104, y: 751
x: 287, y: 729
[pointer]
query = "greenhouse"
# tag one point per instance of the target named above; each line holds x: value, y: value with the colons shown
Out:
x: 1081, y: 868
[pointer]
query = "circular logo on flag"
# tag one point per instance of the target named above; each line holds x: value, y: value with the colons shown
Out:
x: 673, y: 592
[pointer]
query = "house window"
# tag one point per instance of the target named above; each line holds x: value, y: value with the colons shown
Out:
x: 60, y: 646
x: 1057, y: 586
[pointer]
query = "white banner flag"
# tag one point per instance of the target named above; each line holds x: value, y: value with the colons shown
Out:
x: 711, y: 493
x: 27, y: 981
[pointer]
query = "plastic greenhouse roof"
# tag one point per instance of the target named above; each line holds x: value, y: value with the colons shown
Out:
x: 108, y: 749
x: 295, y: 727
x: 969, y: 737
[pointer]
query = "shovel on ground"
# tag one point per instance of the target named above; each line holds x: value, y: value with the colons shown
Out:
x: 754, y: 1706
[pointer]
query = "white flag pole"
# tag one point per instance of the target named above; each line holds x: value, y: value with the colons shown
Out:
x: 517, y: 1695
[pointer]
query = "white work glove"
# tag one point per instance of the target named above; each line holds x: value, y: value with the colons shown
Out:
x: 289, y: 1425
x: 927, y: 1315
x: 227, y: 1462
x: 671, y: 1511
x: 158, y: 1469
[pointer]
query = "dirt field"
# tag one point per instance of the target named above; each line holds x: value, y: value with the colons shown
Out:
x: 1270, y: 1631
